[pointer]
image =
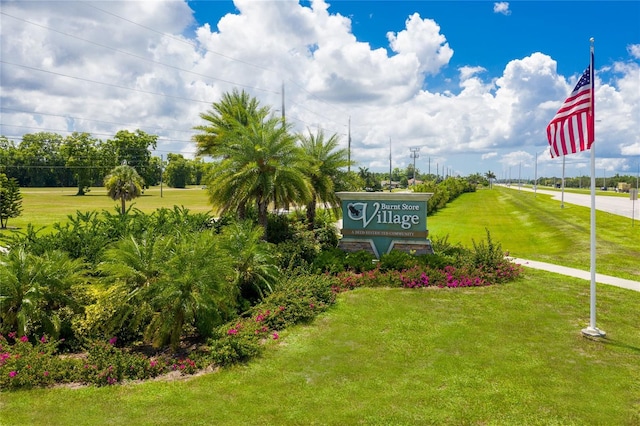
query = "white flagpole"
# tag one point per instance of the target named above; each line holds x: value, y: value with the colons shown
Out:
x: 592, y: 330
x: 562, y: 197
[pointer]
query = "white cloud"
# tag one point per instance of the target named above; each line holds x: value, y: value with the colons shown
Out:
x: 489, y: 155
x: 329, y: 76
x: 501, y: 7
x: 634, y: 50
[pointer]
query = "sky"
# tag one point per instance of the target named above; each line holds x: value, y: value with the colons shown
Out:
x: 469, y: 85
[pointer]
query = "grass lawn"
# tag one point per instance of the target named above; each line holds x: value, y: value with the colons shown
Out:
x: 44, y: 206
x: 534, y: 227
x: 501, y: 355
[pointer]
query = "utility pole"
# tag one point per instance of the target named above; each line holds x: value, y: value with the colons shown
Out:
x: 414, y: 155
x: 389, y: 164
x: 283, y: 115
x: 349, y: 147
x: 161, y: 172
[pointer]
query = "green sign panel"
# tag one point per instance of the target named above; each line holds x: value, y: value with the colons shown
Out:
x: 383, y: 220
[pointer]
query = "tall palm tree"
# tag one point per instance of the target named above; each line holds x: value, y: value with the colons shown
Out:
x: 323, y: 170
x: 124, y: 184
x: 491, y: 176
x: 235, y: 110
x: 261, y: 164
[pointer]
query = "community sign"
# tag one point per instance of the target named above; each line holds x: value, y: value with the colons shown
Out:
x: 382, y: 221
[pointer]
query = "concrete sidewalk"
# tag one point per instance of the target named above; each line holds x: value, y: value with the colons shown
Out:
x: 579, y: 273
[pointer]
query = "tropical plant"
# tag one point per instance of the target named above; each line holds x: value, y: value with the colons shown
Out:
x: 325, y: 161
x: 10, y: 199
x: 262, y: 165
x: 124, y: 184
x: 490, y: 176
x: 195, y: 290
x: 34, y: 291
x: 234, y: 111
x: 252, y: 259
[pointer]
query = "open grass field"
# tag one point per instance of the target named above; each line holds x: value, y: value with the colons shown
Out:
x: 534, y: 227
x: 45, y: 206
x: 498, y: 355
x: 501, y: 355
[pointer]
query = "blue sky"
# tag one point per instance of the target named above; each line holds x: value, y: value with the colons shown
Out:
x: 472, y: 83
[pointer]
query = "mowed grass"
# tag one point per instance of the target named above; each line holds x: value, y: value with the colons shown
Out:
x: 44, y: 206
x: 533, y: 226
x: 498, y: 355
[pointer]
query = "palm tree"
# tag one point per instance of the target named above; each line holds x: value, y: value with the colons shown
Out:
x: 261, y: 164
x: 323, y: 170
x: 235, y: 110
x: 35, y: 289
x: 129, y: 268
x: 252, y: 259
x: 490, y: 175
x: 163, y: 285
x: 195, y: 289
x: 124, y: 184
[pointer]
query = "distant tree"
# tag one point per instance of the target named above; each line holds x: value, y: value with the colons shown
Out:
x: 133, y: 149
x: 80, y: 152
x: 40, y: 162
x: 10, y: 199
x: 179, y: 171
x: 490, y: 176
x: 124, y: 184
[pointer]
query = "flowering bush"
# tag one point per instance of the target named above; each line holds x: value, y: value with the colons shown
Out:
x: 23, y: 365
x: 421, y: 276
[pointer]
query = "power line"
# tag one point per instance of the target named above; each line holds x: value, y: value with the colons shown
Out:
x: 135, y: 55
x: 117, y: 86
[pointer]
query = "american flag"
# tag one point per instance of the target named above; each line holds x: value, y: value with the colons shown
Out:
x: 571, y: 130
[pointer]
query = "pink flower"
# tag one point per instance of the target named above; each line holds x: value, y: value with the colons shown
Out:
x: 13, y: 373
x: 24, y: 339
x: 232, y: 331
x: 275, y: 336
x: 43, y: 339
x: 12, y: 335
x: 113, y: 340
x: 46, y: 373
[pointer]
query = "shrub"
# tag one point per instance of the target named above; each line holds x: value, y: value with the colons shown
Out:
x: 397, y: 261
x: 360, y: 261
x: 488, y: 255
x: 24, y: 366
x: 329, y: 260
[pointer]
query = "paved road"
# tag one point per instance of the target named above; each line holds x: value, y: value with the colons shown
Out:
x: 616, y: 205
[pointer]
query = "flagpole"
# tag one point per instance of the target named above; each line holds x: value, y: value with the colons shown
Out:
x: 592, y: 330
x: 562, y: 197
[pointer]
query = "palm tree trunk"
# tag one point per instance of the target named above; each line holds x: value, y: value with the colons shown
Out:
x: 311, y: 214
x: 262, y: 215
x: 123, y: 208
